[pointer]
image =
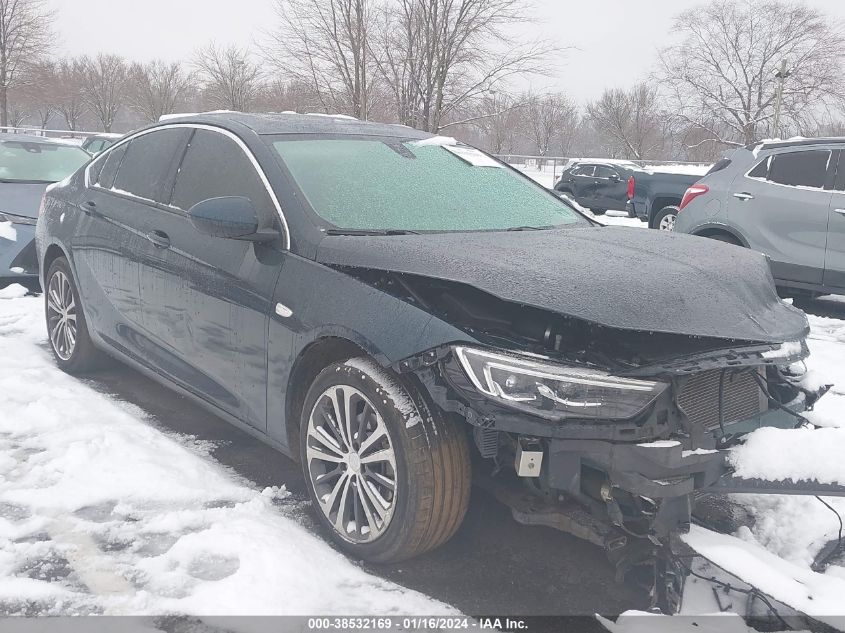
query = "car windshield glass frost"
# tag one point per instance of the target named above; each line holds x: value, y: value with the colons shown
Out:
x: 395, y: 184
x: 21, y: 161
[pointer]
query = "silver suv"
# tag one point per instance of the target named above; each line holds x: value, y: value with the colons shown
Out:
x: 785, y: 199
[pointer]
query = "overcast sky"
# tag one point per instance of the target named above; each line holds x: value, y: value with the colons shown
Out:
x: 615, y: 40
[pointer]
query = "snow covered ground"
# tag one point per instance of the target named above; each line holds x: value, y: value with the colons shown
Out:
x: 102, y: 513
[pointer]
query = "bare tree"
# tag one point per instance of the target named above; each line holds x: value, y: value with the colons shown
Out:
x: 25, y: 36
x: 158, y: 88
x: 106, y: 80
x: 498, y: 118
x: 288, y: 96
x: 438, y: 55
x: 326, y: 44
x: 722, y: 76
x: 549, y: 117
x: 231, y: 80
x: 37, y: 95
x: 631, y: 120
x: 70, y: 97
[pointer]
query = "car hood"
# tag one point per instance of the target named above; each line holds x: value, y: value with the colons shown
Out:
x: 21, y: 198
x: 618, y: 277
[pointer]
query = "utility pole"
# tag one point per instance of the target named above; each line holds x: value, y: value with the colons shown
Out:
x: 781, y: 75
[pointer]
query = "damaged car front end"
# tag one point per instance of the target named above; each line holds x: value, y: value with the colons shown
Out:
x: 590, y: 425
x: 615, y: 459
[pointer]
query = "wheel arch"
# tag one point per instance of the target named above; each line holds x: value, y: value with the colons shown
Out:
x: 660, y: 202
x: 51, y: 254
x: 711, y: 230
x: 311, y: 360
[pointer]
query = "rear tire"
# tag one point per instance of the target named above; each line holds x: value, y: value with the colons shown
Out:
x: 67, y: 328
x: 665, y: 218
x: 424, y: 456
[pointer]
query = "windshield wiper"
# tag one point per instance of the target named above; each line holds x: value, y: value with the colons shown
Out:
x: 370, y: 232
x: 530, y: 228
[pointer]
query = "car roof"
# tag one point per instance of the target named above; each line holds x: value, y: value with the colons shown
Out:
x: 604, y: 163
x: 796, y: 142
x: 293, y: 123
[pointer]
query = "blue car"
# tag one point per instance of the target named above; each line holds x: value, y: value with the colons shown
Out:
x: 28, y: 165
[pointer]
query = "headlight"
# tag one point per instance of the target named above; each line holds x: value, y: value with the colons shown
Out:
x: 556, y: 391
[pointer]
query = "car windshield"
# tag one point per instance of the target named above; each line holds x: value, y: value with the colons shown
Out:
x: 394, y: 184
x: 26, y: 161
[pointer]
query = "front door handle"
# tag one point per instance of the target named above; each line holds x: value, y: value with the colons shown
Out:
x: 839, y: 211
x: 159, y: 238
x: 744, y: 196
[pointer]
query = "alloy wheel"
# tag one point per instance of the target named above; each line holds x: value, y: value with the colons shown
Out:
x: 61, y: 315
x: 667, y: 223
x: 351, y: 464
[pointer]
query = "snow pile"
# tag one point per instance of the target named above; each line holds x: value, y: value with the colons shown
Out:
x: 102, y: 513
x: 13, y: 291
x: 790, y: 531
x: 793, y: 454
x: 8, y: 232
x: 437, y: 141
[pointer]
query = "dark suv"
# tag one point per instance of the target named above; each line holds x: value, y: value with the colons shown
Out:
x: 378, y: 303
x: 597, y: 186
x: 785, y: 199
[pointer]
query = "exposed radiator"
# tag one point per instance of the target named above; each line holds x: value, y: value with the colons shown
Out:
x: 742, y: 397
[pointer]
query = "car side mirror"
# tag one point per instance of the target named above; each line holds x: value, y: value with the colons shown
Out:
x: 231, y: 217
x: 615, y: 178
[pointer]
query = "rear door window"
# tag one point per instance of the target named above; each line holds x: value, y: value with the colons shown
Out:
x: 605, y: 172
x: 584, y: 170
x: 111, y: 163
x: 215, y: 166
x: 761, y: 169
x: 800, y: 169
x: 149, y: 163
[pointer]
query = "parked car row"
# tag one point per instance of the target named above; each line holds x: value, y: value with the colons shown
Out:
x: 785, y: 199
x: 651, y: 194
x: 379, y: 304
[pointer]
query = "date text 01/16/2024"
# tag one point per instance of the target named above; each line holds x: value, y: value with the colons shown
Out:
x: 416, y: 623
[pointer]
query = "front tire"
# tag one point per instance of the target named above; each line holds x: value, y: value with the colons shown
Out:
x: 388, y: 476
x: 665, y: 218
x: 67, y: 328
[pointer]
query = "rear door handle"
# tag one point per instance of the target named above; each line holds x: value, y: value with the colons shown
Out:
x: 744, y: 196
x: 88, y: 207
x: 159, y: 238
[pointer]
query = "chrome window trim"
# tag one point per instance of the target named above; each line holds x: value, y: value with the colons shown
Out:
x: 789, y: 151
x: 196, y: 126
